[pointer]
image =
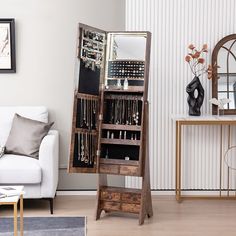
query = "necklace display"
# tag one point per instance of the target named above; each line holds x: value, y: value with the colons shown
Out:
x: 126, y: 69
x: 87, y: 125
x: 124, y: 110
x: 88, y: 109
x: 86, y: 148
x: 92, y: 49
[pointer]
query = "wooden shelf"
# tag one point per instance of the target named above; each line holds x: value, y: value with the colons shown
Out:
x: 121, y: 127
x: 129, y: 78
x: 119, y: 162
x: 131, y: 89
x: 87, y: 96
x: 81, y: 130
x: 120, y: 141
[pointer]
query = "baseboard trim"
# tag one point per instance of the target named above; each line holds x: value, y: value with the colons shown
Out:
x: 154, y: 192
x: 73, y: 192
x: 76, y: 193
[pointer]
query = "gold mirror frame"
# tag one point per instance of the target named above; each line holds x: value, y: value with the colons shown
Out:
x: 215, y: 76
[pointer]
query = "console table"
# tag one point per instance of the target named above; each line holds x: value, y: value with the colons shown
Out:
x: 184, y: 120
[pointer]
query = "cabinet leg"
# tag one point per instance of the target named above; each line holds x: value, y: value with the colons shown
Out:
x: 102, y: 181
x: 98, y: 214
x: 149, y: 208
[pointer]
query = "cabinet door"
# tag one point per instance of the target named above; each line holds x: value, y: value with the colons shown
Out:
x: 123, y: 97
x: 84, y: 138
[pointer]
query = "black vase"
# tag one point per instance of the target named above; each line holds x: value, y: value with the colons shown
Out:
x: 195, y: 100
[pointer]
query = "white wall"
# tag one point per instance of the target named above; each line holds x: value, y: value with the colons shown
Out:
x: 46, y: 33
x: 174, y: 25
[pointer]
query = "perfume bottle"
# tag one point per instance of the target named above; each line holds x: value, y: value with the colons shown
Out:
x: 118, y: 84
x: 126, y: 84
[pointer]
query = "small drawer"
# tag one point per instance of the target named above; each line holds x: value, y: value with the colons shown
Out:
x: 132, y: 208
x: 110, y: 206
x: 110, y: 196
x: 129, y: 170
x: 131, y: 198
x: 109, y: 169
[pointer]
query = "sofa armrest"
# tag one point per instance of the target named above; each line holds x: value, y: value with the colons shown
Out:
x: 49, y: 162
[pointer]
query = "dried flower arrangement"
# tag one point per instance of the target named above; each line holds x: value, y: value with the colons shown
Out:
x: 197, y: 62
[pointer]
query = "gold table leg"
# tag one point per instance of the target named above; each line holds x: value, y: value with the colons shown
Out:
x: 21, y: 216
x: 178, y: 161
x: 15, y: 219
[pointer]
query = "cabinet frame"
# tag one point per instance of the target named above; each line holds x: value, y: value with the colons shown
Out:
x: 140, y: 199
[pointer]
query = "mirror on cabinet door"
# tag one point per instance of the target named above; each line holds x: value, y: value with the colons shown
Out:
x: 224, y: 73
x: 125, y: 61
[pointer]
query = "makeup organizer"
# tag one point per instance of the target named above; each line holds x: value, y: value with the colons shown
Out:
x: 110, y: 116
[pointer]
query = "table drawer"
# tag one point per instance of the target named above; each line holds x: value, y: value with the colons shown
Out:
x: 131, y: 198
x: 132, y: 208
x: 110, y: 196
x: 129, y: 170
x: 110, y: 206
x: 109, y: 169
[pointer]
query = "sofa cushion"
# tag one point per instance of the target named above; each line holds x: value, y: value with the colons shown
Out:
x: 16, y: 169
x: 39, y: 113
x: 26, y: 136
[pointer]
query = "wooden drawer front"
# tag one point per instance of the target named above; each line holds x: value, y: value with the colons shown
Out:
x: 132, y: 208
x: 110, y: 196
x: 109, y: 169
x: 111, y: 206
x: 131, y: 198
x: 129, y: 170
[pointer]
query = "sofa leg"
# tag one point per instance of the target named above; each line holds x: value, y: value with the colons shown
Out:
x: 51, y: 205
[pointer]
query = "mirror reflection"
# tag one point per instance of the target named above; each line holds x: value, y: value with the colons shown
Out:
x: 127, y: 47
x: 125, y: 62
x: 226, y: 60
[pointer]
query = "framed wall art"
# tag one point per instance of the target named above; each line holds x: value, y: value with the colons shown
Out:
x: 7, y: 46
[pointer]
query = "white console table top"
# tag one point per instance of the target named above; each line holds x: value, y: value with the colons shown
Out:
x: 203, y: 118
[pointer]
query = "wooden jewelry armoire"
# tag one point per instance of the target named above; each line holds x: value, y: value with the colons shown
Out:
x: 110, y: 116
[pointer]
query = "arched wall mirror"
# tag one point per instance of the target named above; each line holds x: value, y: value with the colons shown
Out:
x: 224, y: 73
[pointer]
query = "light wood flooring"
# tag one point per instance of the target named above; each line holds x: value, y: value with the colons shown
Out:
x: 191, y: 217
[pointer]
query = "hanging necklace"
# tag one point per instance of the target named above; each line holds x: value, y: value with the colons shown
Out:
x: 84, y: 114
x: 79, y: 147
x: 81, y: 112
x: 82, y: 147
x: 86, y: 160
x: 87, y: 112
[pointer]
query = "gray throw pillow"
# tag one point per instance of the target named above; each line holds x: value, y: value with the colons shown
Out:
x: 2, y: 151
x: 26, y: 136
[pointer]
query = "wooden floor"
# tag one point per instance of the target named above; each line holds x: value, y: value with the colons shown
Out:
x: 191, y: 217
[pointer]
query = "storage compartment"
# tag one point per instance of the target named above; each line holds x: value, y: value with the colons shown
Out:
x: 121, y: 152
x: 131, y: 198
x: 109, y: 169
x: 132, y: 208
x: 122, y: 109
x: 105, y: 195
x: 129, y: 170
x: 110, y: 206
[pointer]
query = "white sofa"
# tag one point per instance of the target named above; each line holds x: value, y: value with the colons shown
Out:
x: 39, y: 177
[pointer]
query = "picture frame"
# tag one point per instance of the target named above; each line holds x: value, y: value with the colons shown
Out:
x: 7, y: 46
